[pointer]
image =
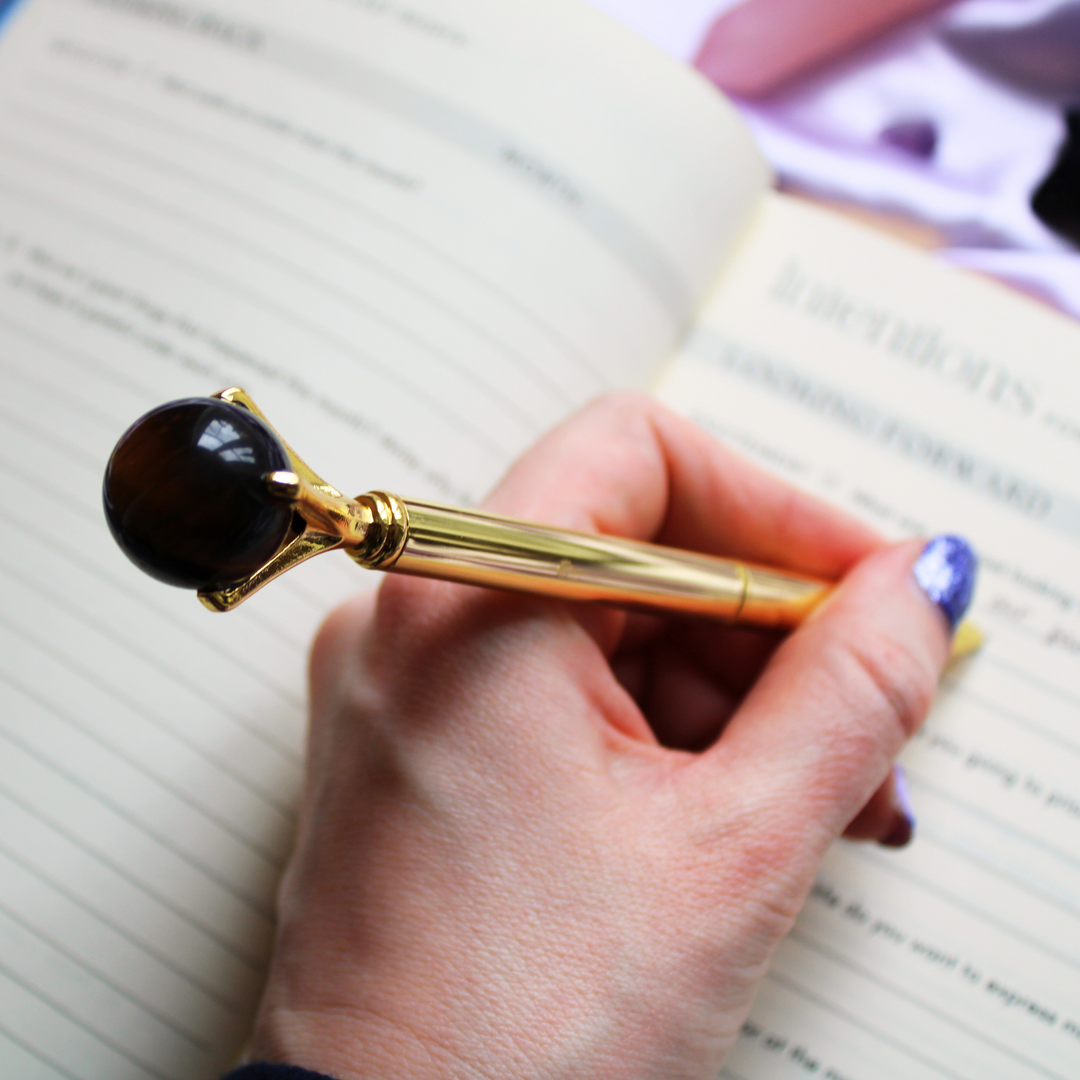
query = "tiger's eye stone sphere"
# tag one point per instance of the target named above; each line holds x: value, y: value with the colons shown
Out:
x: 185, y: 496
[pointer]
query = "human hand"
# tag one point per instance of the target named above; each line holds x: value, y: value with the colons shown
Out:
x: 544, y: 840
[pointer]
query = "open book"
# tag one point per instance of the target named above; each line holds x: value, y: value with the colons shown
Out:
x: 419, y: 232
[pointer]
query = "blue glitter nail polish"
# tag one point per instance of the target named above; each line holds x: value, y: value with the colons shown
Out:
x: 904, y: 829
x: 903, y: 791
x: 946, y: 570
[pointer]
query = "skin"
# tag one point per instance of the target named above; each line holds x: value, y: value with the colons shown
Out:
x: 542, y: 840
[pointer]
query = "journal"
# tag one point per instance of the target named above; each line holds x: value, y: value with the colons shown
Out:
x: 420, y: 232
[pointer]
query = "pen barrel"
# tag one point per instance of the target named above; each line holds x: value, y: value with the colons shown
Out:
x: 504, y: 553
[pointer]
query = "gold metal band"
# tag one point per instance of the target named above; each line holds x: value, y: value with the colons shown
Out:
x: 385, y: 535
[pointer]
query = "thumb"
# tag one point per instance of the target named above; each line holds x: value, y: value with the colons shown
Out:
x: 817, y: 734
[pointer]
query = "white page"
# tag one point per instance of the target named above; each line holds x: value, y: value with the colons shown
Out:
x: 418, y: 234
x: 926, y: 401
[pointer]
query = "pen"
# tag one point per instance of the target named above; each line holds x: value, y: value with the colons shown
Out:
x: 203, y: 493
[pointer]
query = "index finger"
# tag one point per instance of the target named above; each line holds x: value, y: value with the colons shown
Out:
x: 627, y: 466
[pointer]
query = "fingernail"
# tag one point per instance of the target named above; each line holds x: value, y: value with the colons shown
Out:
x: 946, y: 570
x: 904, y: 829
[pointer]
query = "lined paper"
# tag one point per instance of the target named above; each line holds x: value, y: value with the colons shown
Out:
x: 925, y: 402
x: 415, y: 263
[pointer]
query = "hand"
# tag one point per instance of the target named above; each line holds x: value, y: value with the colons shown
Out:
x: 544, y: 840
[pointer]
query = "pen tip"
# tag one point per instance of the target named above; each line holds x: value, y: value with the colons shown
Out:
x: 968, y: 639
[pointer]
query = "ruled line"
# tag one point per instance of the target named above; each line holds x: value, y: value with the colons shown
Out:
x: 132, y: 197
x: 272, y: 865
x: 106, y: 103
x: 74, y: 453
x: 316, y: 603
x: 250, y: 961
x: 471, y: 132
x: 120, y: 149
x: 69, y: 502
x: 254, y: 903
x: 98, y: 368
x: 1034, y: 680
x: 93, y: 1032
x: 36, y: 1052
x: 212, y: 993
x: 995, y: 870
x: 92, y: 970
x: 285, y: 810
x: 1009, y: 929
x: 78, y: 405
x: 287, y: 752
x: 271, y: 859
x: 885, y: 1037
x: 277, y: 628
x: 999, y: 823
x: 934, y: 1011
x: 80, y: 360
x: 1025, y: 722
x: 345, y: 296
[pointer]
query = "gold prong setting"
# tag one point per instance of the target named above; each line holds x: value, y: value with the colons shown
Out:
x: 329, y: 519
x: 283, y: 484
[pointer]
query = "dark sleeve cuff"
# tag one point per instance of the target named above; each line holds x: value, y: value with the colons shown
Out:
x: 259, y: 1071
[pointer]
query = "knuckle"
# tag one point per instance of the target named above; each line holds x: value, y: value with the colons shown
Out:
x: 890, y: 682
x: 407, y: 607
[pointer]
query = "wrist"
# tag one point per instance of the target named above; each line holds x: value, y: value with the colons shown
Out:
x: 345, y: 1045
x: 262, y: 1070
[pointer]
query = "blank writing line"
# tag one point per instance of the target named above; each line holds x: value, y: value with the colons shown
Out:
x: 77, y: 454
x: 237, y: 241
x: 252, y: 962
x: 279, y: 629
x: 78, y: 405
x: 992, y: 868
x: 1033, y: 680
x: 100, y: 1036
x: 270, y: 858
x: 71, y: 555
x: 136, y: 821
x: 475, y: 135
x: 998, y: 823
x: 961, y: 691
x: 34, y: 1051
x: 82, y: 362
x: 310, y: 599
x: 93, y: 676
x: 101, y: 976
x: 60, y: 887
x: 70, y: 503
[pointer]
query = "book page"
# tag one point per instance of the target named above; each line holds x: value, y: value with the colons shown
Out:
x: 418, y: 232
x: 925, y: 401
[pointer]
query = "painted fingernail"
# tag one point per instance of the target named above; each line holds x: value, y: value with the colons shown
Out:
x: 946, y: 570
x: 904, y: 829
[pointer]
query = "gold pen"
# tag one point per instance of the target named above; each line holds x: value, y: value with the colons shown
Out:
x: 204, y: 493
